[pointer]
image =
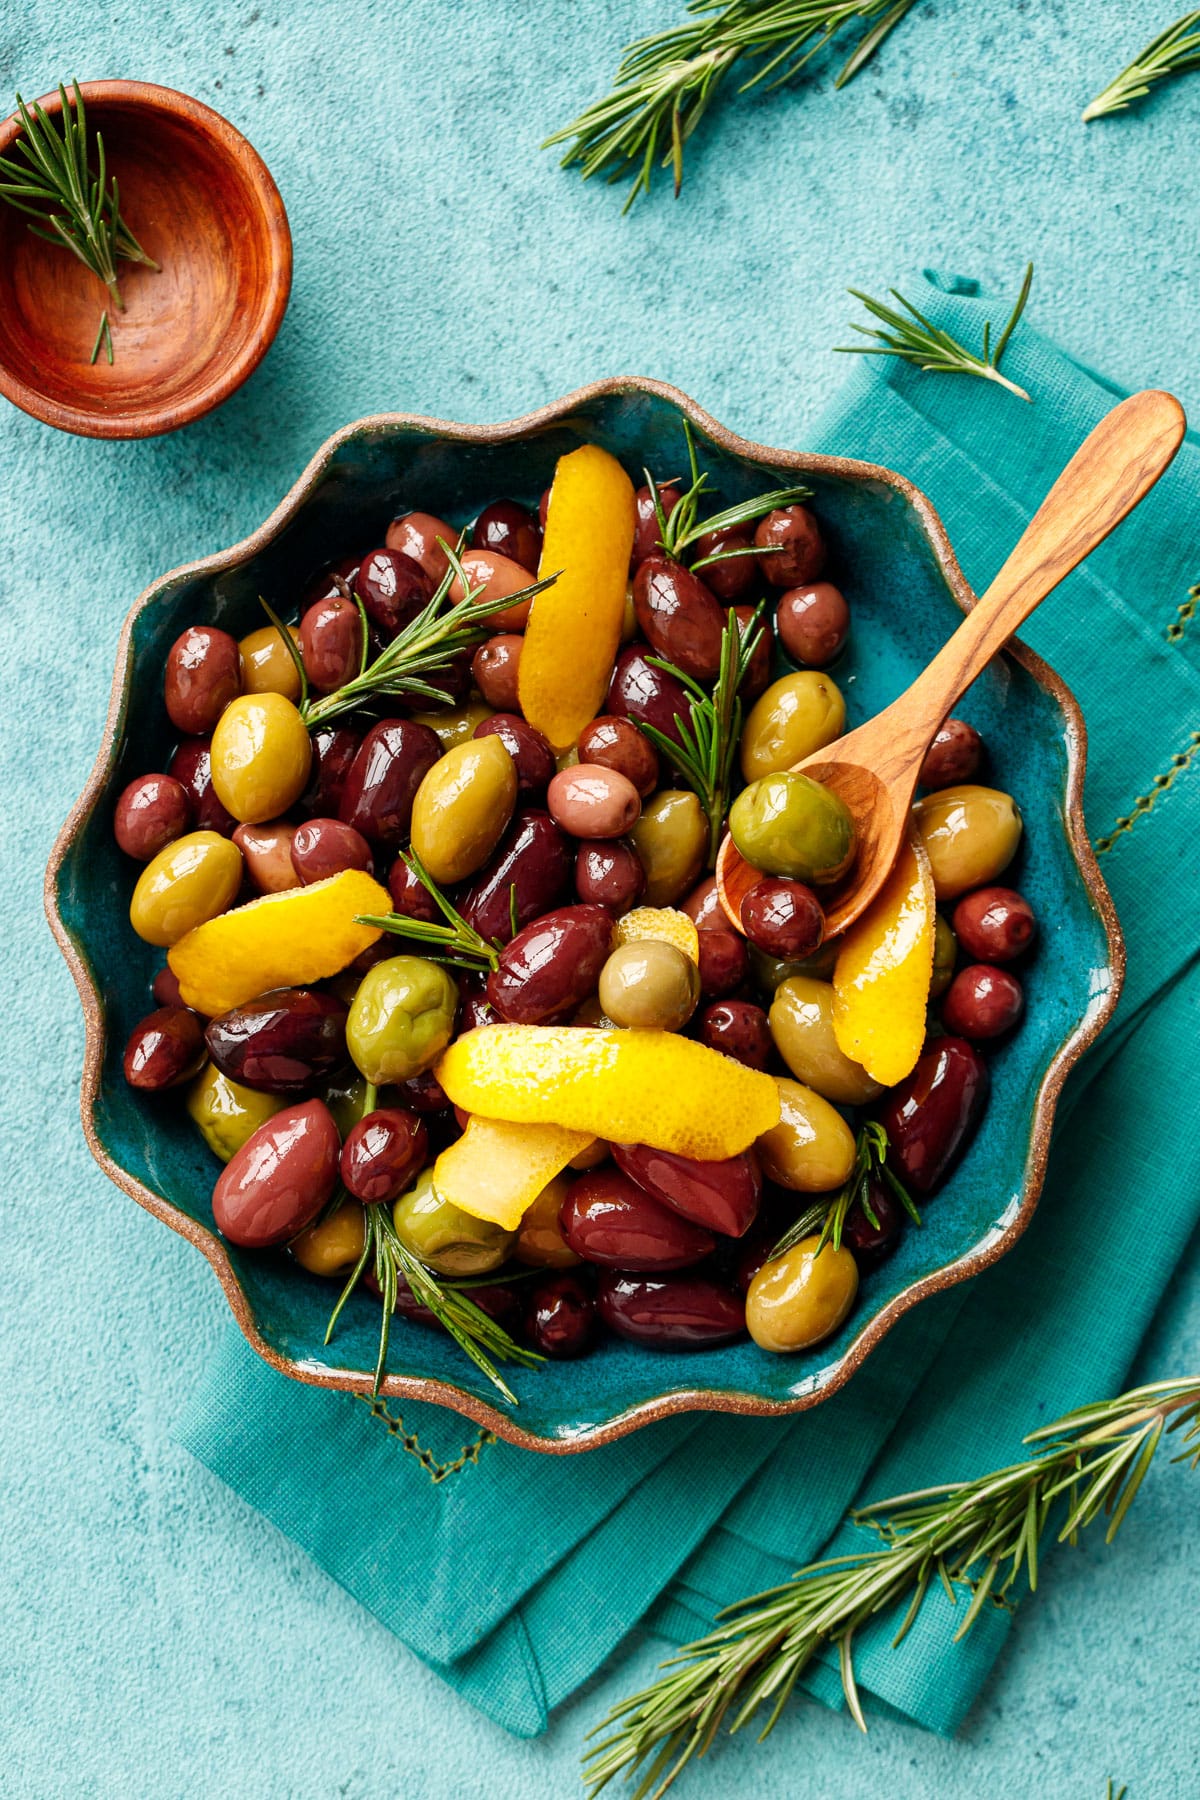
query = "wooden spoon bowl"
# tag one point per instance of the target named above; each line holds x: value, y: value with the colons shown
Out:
x: 202, y: 203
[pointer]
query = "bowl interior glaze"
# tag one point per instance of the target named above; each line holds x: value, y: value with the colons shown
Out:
x: 905, y: 592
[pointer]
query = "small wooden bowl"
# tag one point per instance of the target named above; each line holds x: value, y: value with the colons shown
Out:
x: 200, y: 201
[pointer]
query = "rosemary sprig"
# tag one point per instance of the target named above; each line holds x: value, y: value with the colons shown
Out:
x: 684, y: 527
x: 460, y: 945
x: 708, y: 738
x: 827, y: 1215
x: 1173, y: 52
x: 916, y: 339
x: 666, y: 82
x: 976, y: 1537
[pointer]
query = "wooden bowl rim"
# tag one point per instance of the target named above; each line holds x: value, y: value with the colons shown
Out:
x: 1097, y: 1014
x: 148, y: 420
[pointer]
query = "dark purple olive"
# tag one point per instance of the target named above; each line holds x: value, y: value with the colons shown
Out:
x: 477, y: 1009
x: 281, y: 1041
x: 647, y: 531
x: 534, y: 858
x: 495, y: 668
x: 393, y: 589
x: 192, y: 768
x: 279, y: 1180
x: 953, y: 757
x: 407, y: 1305
x: 383, y: 1154
x: 204, y: 673
x: 331, y: 643
x: 551, y: 967
x: 392, y: 761
x: 703, y: 906
x: 527, y: 747
x: 410, y: 896
x: 608, y: 1219
x: 784, y: 918
x: 510, y: 530
x: 733, y: 578
x: 724, y: 963
x: 982, y: 1002
x: 758, y: 676
x: 165, y: 987
x: 618, y: 744
x: 995, y: 924
x: 334, y: 748
x: 150, y: 814
x: 560, y: 1319
x: 812, y: 623
x: 737, y: 1028
x: 758, y: 1246
x: 723, y: 1196
x: 670, y: 1312
x: 933, y: 1112
x: 424, y: 1093
x: 680, y: 617
x: 870, y: 1244
x: 324, y: 847
x: 609, y: 873
x: 647, y: 695
x: 164, y: 1049
x: 796, y: 549
x: 332, y: 580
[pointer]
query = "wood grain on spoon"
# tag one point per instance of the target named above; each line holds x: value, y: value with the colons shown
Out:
x: 874, y: 768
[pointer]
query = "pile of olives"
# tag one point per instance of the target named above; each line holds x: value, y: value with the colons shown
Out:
x: 322, y: 1101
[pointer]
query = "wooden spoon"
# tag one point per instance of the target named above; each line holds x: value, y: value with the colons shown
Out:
x: 874, y: 768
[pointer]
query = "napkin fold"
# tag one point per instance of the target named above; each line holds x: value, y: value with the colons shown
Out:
x: 516, y: 1575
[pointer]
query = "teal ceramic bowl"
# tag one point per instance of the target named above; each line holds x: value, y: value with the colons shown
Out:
x: 906, y: 595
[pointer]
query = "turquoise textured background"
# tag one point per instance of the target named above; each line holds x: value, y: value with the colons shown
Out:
x: 157, y: 1637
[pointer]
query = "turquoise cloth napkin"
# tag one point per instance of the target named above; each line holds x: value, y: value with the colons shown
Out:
x: 516, y: 1575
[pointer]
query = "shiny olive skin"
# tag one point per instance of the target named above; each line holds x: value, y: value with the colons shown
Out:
x: 330, y: 580
x: 871, y: 1244
x: 477, y: 1010
x: 165, y: 988
x: 345, y: 1094
x: 416, y: 535
x: 812, y: 623
x: 670, y: 1312
x: 456, y: 725
x: 260, y: 757
x: 446, y: 1238
x: 671, y: 839
x: 203, y: 675
x: 800, y: 1298
x: 492, y: 577
x: 734, y: 578
x: 331, y: 643
x: 410, y: 896
x: 953, y: 757
x: 796, y: 549
x: 462, y: 808
x: 703, y: 906
x: 645, y: 694
x: 279, y: 1180
x: 332, y: 1246
x: 971, y: 835
x: 191, y: 766
x: 281, y: 1041
x: 945, y: 955
x: 609, y: 874
x: 383, y: 1154
x: 192, y: 880
x: 424, y: 1093
x: 560, y: 1317
x: 495, y: 668
x: 769, y: 971
x: 540, y: 1242
x: 801, y: 1022
x: 164, y: 1048
x: 324, y: 847
x: 591, y: 801
x: 382, y: 782
x: 393, y: 590
x: 151, y: 813
x: 788, y: 824
x: 995, y: 924
x: 527, y: 747
x: 535, y: 860
x: 784, y: 918
x: 982, y: 1002
x: 739, y: 1029
x: 793, y: 718
x: 401, y: 1018
x: 617, y: 744
x: 650, y: 984
x: 722, y: 1196
x: 931, y: 1115
x: 647, y: 530
x: 608, y: 1219
x: 812, y: 1148
x: 510, y: 530
x: 266, y: 665
x: 679, y: 616
x: 227, y: 1113
x: 267, y: 850
x: 551, y: 966
x: 334, y: 748
x: 724, y: 964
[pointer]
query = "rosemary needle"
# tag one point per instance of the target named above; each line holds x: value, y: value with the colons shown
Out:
x: 1173, y: 52
x: 913, y: 338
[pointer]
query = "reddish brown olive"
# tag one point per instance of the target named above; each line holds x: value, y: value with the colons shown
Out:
x: 423, y: 1092
x: 390, y: 765
x: 324, y: 847
x: 410, y: 896
x: 491, y: 576
x: 393, y: 589
x: 511, y: 530
x: 550, y: 968
x: 527, y: 875
x: 334, y: 748
x: 608, y: 1219
x: 383, y: 1154
x: 191, y: 766
x: 758, y: 675
x: 164, y: 1049
x: 994, y: 924
x: 739, y: 1029
x: 527, y: 747
x: 609, y: 874
x: 930, y: 1117
x: 617, y: 744
x: 668, y: 1312
x: 331, y: 643
x: 279, y: 1180
x: 647, y: 695
x: 703, y: 906
x: 416, y: 535
x: 494, y: 668
x: 281, y: 1041
x: 733, y: 578
x: 721, y: 1195
x: 982, y: 1002
x: 591, y: 801
x: 953, y: 757
x: 165, y: 987
x: 871, y: 1243
x: 796, y: 550
x: 647, y: 530
x: 203, y: 675
x: 724, y: 963
x: 812, y: 623
x: 150, y: 814
x: 783, y: 918
x: 560, y: 1319
x: 267, y: 850
x: 680, y: 617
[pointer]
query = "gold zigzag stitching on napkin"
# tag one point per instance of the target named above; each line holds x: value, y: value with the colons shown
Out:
x: 1184, y: 616
x: 1158, y: 787
x: 412, y: 1446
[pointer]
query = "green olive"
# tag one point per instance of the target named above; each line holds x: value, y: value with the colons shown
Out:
x: 790, y: 720
x: 812, y: 1148
x: 970, y: 833
x: 462, y: 808
x: 332, y: 1246
x: 345, y: 1093
x: 671, y: 838
x: 540, y: 1242
x: 401, y: 1018
x: 801, y: 1020
x: 446, y: 1238
x: 189, y: 881
x: 260, y: 757
x: 788, y: 824
x: 945, y: 955
x: 651, y: 983
x: 769, y: 971
x: 801, y: 1297
x: 454, y: 725
x: 226, y: 1112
